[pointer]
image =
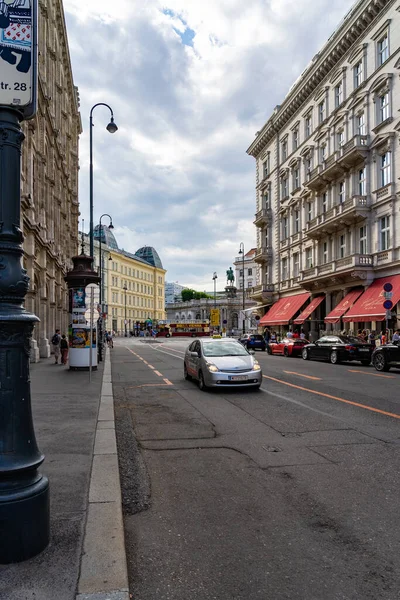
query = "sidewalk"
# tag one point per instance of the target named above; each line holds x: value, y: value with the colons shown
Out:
x: 66, y: 412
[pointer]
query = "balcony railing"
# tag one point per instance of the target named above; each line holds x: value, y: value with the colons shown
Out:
x: 339, y: 265
x: 352, y: 209
x: 263, y: 254
x: 262, y: 291
x: 354, y: 149
x: 262, y: 217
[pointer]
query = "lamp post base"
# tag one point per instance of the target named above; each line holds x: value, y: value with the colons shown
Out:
x: 24, y: 521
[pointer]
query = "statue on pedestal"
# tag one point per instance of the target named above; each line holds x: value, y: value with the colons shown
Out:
x: 230, y: 277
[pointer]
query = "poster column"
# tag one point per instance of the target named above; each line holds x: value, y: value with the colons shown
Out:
x: 79, y: 331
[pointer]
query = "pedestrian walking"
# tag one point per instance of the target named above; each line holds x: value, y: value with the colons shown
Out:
x: 302, y: 334
x: 55, y: 342
x: 289, y: 334
x: 64, y: 350
x: 396, y: 336
x: 372, y: 337
x: 110, y: 342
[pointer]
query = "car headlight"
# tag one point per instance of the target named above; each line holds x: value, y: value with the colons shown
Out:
x: 256, y: 367
x: 212, y: 368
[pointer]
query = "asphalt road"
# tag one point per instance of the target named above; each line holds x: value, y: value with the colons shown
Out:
x: 286, y: 493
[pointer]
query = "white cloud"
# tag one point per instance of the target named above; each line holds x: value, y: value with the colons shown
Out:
x: 176, y: 175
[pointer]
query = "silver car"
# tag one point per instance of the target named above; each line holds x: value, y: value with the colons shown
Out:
x: 221, y: 363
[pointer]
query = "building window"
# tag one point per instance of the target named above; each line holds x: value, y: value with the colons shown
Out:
x: 308, y: 126
x: 358, y: 74
x: 384, y: 108
x: 309, y: 211
x: 342, y: 246
x: 295, y: 139
x: 266, y: 167
x: 383, y: 50
x: 296, y: 221
x: 284, y: 187
x: 296, y: 178
x: 325, y: 253
x: 249, y: 272
x: 362, y: 182
x: 360, y: 123
x: 309, y: 263
x: 285, y: 228
x: 384, y: 232
x: 284, y: 150
x: 324, y: 203
x: 308, y: 166
x: 340, y: 139
x: 322, y: 153
x: 338, y: 94
x: 385, y: 168
x: 321, y: 111
x: 362, y: 237
x: 241, y: 273
x: 342, y: 192
x: 284, y: 269
x: 266, y: 203
x: 296, y: 264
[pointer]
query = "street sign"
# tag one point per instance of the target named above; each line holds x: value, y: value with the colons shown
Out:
x: 388, y: 295
x: 18, y: 55
x: 388, y: 315
x: 387, y: 287
x: 214, y: 317
x: 388, y: 305
x: 224, y: 321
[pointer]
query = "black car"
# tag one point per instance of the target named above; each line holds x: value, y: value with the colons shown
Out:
x: 338, y: 348
x: 253, y: 341
x: 386, y: 356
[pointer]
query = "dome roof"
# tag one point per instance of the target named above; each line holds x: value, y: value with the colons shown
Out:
x: 150, y: 255
x: 107, y: 236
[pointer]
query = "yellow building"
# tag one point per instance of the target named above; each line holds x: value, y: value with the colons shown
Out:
x: 133, y: 284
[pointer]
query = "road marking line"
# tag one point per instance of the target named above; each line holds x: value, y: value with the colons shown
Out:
x: 158, y: 373
x: 150, y: 366
x: 131, y: 387
x: 301, y: 375
x: 364, y: 406
x: 167, y: 381
x: 372, y: 374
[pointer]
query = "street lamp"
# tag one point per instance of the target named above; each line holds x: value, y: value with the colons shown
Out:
x: 101, y: 294
x: 125, y: 290
x: 215, y: 277
x: 241, y: 251
x: 111, y: 128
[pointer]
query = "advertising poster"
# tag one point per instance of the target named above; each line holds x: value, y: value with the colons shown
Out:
x: 80, y: 338
x: 17, y: 52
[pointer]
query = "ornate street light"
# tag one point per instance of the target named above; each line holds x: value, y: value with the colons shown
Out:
x: 215, y: 277
x: 111, y: 128
x: 101, y: 295
x: 125, y: 321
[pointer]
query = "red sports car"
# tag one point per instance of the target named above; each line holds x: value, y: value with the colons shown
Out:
x: 287, y: 347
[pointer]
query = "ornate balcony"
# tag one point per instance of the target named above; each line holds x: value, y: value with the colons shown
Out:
x: 315, y: 180
x: 262, y: 293
x: 263, y: 217
x: 341, y: 270
x: 353, y: 151
x: 349, y: 212
x: 263, y: 255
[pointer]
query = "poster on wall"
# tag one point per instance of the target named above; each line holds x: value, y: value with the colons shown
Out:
x: 80, y: 338
x: 18, y: 55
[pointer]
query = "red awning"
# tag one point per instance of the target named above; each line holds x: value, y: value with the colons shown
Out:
x: 343, y: 306
x: 370, y: 306
x: 315, y: 302
x: 283, y: 310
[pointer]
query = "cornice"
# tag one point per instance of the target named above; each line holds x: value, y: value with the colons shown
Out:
x: 339, y: 44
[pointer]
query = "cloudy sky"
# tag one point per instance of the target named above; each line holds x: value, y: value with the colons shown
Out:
x: 190, y: 82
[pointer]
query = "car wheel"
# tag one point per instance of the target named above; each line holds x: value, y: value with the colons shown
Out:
x: 286, y: 352
x: 263, y: 349
x: 202, y: 385
x: 334, y: 357
x: 304, y: 354
x: 380, y: 362
x: 185, y: 373
x: 365, y: 363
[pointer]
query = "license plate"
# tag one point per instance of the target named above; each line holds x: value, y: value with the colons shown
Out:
x: 363, y: 350
x: 237, y: 377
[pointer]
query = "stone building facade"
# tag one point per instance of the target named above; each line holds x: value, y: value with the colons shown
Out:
x: 50, y: 208
x: 327, y: 171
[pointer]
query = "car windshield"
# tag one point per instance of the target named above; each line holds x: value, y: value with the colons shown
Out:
x: 224, y: 349
x: 349, y: 339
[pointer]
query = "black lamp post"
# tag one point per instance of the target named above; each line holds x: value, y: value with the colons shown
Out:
x: 101, y: 294
x: 24, y: 491
x: 112, y: 128
x: 125, y: 322
x: 215, y: 277
x: 241, y: 251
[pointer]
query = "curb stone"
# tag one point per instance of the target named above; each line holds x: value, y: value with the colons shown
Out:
x: 103, y: 573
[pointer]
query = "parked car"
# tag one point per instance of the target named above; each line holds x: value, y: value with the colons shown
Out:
x: 287, y: 347
x: 386, y: 356
x: 221, y: 363
x: 253, y: 341
x: 339, y: 348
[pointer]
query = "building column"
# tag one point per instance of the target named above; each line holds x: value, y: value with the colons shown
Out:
x: 44, y: 346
